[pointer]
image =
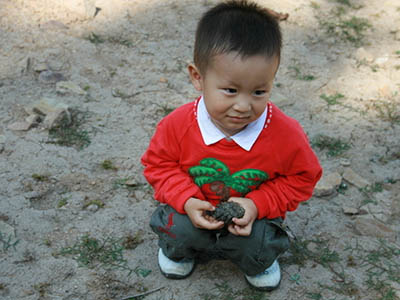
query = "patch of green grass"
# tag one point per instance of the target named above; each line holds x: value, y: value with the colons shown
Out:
x: 334, y: 146
x: 41, y: 177
x: 298, y: 74
x: 94, y: 38
x: 69, y: 132
x: 332, y: 99
x: 368, y: 192
x: 8, y: 242
x: 108, y: 165
x: 62, y: 202
x: 346, y: 28
x: 91, y: 252
x: 388, y: 110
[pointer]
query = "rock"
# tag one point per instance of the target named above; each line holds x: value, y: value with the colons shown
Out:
x: 396, y: 288
x: 327, y: 184
x: 281, y: 100
x: 54, y: 118
x: 7, y: 230
x: 361, y: 54
x: 226, y: 211
x: 93, y: 207
x: 64, y: 87
x: 2, y: 143
x: 348, y: 210
x: 19, y: 126
x: 48, y: 105
x: 33, y: 119
x: 345, y: 162
x: 355, y: 179
x: 131, y: 182
x: 40, y: 67
x: 371, y: 227
x: 51, y: 77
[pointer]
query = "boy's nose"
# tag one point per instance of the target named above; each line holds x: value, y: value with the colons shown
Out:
x: 242, y: 105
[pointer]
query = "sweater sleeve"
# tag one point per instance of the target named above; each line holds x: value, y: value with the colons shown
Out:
x: 162, y: 170
x: 275, y: 197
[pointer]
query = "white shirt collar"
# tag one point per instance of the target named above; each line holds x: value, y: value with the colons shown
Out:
x: 211, y: 134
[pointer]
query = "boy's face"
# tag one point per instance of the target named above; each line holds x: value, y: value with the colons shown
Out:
x: 235, y: 89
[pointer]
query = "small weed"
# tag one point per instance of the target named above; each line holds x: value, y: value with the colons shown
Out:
x: 124, y: 183
x: 344, y: 2
x: 108, y: 165
x: 335, y: 146
x: 121, y: 41
x: 388, y: 111
x: 86, y: 88
x: 165, y: 109
x: 299, y: 75
x: 69, y: 133
x: 350, y: 29
x: 314, y: 296
x: 91, y: 252
x: 8, y: 242
x: 41, y: 288
x: 62, y: 202
x: 332, y: 99
x: 97, y: 202
x: 368, y: 192
x: 95, y: 39
x: 40, y: 177
x: 397, y: 52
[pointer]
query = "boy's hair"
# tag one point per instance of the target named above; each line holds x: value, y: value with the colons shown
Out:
x: 236, y: 26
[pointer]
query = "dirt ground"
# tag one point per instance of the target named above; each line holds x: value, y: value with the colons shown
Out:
x: 74, y: 207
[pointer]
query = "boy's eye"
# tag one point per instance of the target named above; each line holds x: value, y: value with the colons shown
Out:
x: 230, y: 91
x: 260, y: 93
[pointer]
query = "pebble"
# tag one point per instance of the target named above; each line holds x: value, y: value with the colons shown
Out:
x: 64, y: 87
x: 345, y: 162
x: 46, y: 105
x: 19, y: 126
x: 51, y: 77
x: 93, y: 207
x: 328, y: 184
x: 54, y: 118
x: 348, y: 210
x: 355, y: 179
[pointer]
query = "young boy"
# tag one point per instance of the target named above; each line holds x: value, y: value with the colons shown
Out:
x: 231, y: 144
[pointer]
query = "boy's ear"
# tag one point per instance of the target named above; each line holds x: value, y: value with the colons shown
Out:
x: 195, y: 77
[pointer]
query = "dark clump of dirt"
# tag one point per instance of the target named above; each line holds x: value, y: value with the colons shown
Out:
x: 226, y: 211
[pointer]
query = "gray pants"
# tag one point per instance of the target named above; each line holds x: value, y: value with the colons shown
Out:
x: 179, y: 239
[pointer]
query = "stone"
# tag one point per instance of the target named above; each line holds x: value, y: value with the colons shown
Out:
x: 93, y: 207
x: 33, y: 119
x: 327, y: 184
x: 382, y: 60
x: 348, y: 210
x: 345, y: 162
x: 361, y: 54
x: 48, y: 105
x: 40, y: 67
x: 64, y: 87
x: 7, y: 230
x: 54, y: 118
x: 355, y: 179
x: 49, y: 76
x: 371, y: 227
x: 19, y: 126
x: 131, y: 182
x: 226, y: 211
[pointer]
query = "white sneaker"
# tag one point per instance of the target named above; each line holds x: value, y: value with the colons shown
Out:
x: 174, y: 269
x: 267, y: 280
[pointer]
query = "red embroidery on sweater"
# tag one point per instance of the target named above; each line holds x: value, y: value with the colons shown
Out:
x: 168, y: 227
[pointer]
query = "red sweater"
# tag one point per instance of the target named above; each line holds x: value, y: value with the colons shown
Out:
x: 278, y: 173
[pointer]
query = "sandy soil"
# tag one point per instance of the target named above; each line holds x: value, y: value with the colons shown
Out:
x: 125, y: 69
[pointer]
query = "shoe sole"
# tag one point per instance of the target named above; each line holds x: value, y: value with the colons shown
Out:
x: 176, y: 276
x: 264, y: 289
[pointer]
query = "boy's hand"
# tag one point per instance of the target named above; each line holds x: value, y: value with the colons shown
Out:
x: 243, y: 225
x: 196, y: 211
